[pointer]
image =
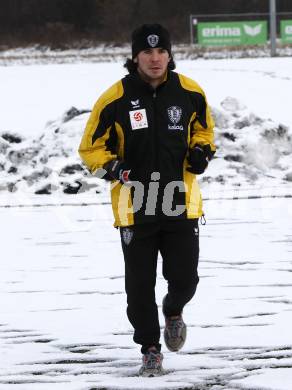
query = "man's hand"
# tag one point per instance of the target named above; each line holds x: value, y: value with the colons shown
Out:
x: 199, y: 157
x: 117, y: 170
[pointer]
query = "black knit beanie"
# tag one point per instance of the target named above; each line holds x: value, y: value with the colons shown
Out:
x: 149, y: 36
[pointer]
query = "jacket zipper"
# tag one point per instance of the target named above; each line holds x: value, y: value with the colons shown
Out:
x: 156, y: 154
x: 155, y: 135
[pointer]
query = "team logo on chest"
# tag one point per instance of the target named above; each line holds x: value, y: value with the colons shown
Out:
x: 174, y: 114
x: 138, y: 119
x: 153, y: 40
x: 135, y: 103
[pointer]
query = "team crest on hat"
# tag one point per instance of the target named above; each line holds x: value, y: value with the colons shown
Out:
x: 153, y: 40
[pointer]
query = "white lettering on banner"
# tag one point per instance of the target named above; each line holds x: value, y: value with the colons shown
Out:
x: 288, y: 30
x: 252, y: 31
x: 209, y: 32
x: 138, y: 119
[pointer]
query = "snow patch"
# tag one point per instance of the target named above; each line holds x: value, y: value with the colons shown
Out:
x: 250, y: 148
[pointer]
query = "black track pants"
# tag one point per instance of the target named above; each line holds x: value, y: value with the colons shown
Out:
x: 178, y: 243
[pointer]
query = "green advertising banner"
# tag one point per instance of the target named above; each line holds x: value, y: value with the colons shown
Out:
x: 286, y: 31
x: 232, y: 33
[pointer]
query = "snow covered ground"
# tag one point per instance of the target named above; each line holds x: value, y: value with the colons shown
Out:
x: 63, y: 323
x: 32, y: 95
x: 62, y: 303
x: 248, y: 97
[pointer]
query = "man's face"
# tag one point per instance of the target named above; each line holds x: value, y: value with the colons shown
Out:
x: 152, y: 64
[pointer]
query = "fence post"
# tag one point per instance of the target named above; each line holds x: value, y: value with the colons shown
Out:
x: 191, y: 30
x: 273, y: 28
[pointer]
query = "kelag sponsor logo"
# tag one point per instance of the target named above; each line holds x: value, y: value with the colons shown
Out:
x: 232, y: 33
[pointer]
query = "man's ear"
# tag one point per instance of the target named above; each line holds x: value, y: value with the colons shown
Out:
x: 135, y: 60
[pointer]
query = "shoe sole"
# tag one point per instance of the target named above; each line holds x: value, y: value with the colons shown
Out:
x: 151, y: 374
x: 179, y: 345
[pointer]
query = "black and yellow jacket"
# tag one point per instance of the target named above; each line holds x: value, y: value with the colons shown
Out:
x: 152, y: 131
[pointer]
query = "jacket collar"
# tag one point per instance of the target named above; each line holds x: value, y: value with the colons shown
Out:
x: 141, y: 84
